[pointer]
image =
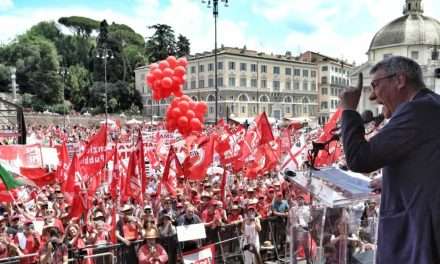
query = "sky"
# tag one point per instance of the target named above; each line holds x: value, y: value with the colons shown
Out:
x: 337, y: 28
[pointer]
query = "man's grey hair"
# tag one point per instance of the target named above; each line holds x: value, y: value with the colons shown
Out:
x: 402, y: 65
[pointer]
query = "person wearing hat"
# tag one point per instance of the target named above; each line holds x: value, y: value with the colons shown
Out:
x: 262, y: 207
x: 167, y: 232
x: 152, y: 252
x: 128, y: 230
x: 31, y: 240
x: 250, y: 229
x: 189, y: 218
x: 54, y: 251
x: 235, y: 216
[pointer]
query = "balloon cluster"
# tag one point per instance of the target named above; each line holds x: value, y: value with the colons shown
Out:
x: 185, y: 115
x: 167, y: 77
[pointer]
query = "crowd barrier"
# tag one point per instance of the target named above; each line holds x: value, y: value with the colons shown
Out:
x: 227, y: 239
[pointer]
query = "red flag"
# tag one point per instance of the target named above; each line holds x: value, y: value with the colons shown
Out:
x: 63, y: 157
x: 197, y: 163
x: 201, y: 255
x: 141, y: 164
x: 223, y: 187
x: 41, y: 177
x: 333, y: 152
x: 286, y: 142
x: 166, y: 180
x: 133, y: 181
x: 264, y: 129
x: 113, y: 227
x: 93, y: 159
x: 330, y: 126
x: 115, y: 174
x: 74, y: 169
x: 78, y: 206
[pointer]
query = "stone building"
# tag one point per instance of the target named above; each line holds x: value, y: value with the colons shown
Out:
x: 412, y: 35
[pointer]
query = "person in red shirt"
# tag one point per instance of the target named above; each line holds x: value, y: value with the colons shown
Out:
x: 262, y: 207
x: 31, y: 244
x: 235, y: 216
x: 152, y: 252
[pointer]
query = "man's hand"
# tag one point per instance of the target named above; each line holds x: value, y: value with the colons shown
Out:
x: 350, y: 98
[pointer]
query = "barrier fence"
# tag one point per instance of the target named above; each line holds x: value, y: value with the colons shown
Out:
x: 227, y: 240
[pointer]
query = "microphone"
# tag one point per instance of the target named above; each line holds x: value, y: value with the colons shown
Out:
x: 368, y: 117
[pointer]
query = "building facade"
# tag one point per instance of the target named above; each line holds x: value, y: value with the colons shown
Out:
x: 333, y: 78
x: 248, y: 83
x: 412, y: 35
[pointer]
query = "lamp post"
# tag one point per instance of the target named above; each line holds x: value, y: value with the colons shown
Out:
x: 64, y: 72
x: 215, y: 13
x: 105, y: 54
x: 13, y: 83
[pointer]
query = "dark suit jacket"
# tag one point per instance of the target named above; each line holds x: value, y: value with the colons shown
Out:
x: 408, y: 150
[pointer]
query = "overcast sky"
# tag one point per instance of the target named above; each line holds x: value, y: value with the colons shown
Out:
x: 338, y: 28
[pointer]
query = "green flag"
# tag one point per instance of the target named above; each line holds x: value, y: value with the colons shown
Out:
x: 9, y: 180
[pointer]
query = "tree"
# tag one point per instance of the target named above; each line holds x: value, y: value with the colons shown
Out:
x: 161, y: 44
x: 77, y: 86
x: 5, y: 77
x: 183, y: 46
x: 82, y: 26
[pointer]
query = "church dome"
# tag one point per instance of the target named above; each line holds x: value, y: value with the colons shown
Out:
x: 411, y: 29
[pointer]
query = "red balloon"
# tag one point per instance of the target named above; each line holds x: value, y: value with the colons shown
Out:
x: 179, y: 71
x: 182, y: 123
x: 186, y: 98
x: 178, y: 93
x: 174, y: 103
x: 168, y: 72
x: 156, y: 96
x: 177, y: 80
x: 157, y: 73
x: 184, y: 106
x: 201, y: 107
x: 153, y: 66
x: 163, y: 65
x: 167, y: 82
x: 192, y: 105
x: 150, y: 78
x: 175, y: 87
x: 171, y: 125
x: 190, y: 114
x: 172, y: 61
x: 157, y: 85
x: 175, y: 112
x: 182, y: 62
x: 165, y: 92
x: 196, y: 125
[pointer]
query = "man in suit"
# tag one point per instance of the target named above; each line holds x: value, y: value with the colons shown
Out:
x: 408, y: 150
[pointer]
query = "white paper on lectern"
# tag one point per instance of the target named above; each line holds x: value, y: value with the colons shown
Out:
x: 191, y: 232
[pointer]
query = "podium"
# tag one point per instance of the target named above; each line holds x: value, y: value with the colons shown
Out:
x: 336, y: 195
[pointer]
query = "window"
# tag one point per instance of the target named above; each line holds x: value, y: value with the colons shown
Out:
x: 333, y: 80
x: 288, y: 85
x: 211, y: 67
x: 201, y: 68
x: 193, y: 84
x: 185, y: 86
x: 264, y: 68
x: 232, y: 81
x: 306, y: 73
x: 193, y: 69
x: 324, y: 91
x: 324, y: 68
x: 305, y: 85
x: 254, y: 83
x: 242, y: 82
x: 211, y: 110
x: 220, y: 65
x: 243, y: 66
x: 288, y: 109
x: 295, y: 85
x: 313, y: 73
x: 276, y: 86
x: 414, y: 55
x: 324, y: 80
x: 253, y: 67
x: 232, y: 65
x: 297, y: 72
x: 220, y: 82
x: 201, y: 83
x: 243, y: 109
x: 386, y: 56
x: 276, y: 70
x: 313, y: 88
x: 263, y: 83
x: 324, y: 105
x: 210, y: 82
x: 289, y: 71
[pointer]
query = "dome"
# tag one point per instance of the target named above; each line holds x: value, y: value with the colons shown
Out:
x: 410, y: 29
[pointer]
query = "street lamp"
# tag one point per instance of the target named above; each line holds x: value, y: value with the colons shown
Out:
x: 13, y: 83
x: 105, y: 54
x: 64, y: 72
x: 215, y: 13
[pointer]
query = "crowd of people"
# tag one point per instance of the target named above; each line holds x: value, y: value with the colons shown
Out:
x: 37, y: 226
